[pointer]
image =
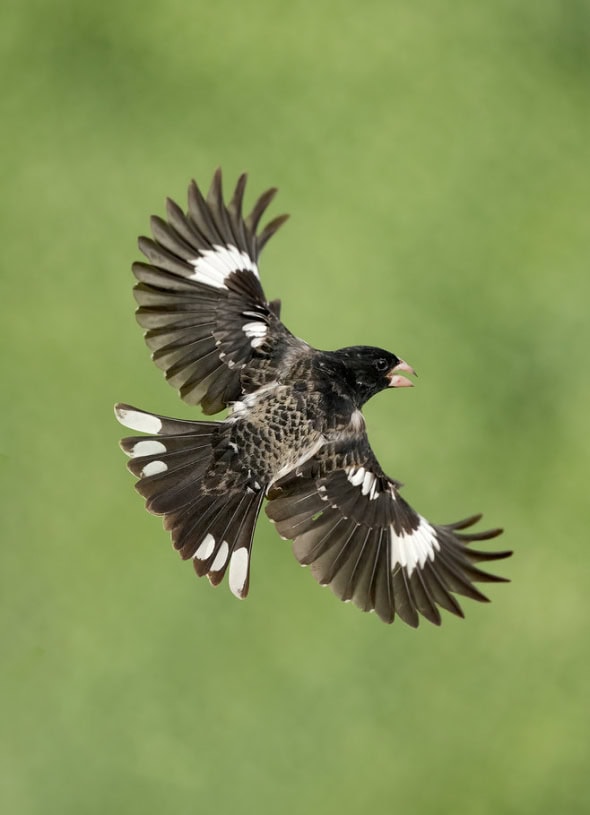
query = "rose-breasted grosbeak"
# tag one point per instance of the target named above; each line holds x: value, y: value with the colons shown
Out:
x: 295, y: 434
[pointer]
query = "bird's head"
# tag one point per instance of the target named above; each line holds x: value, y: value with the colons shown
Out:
x: 371, y: 370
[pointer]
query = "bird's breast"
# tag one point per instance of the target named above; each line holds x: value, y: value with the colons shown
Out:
x: 275, y: 430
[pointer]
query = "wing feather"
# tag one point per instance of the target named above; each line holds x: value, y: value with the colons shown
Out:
x: 204, y: 312
x: 350, y: 524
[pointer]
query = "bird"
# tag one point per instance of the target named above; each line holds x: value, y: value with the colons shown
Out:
x: 294, y: 434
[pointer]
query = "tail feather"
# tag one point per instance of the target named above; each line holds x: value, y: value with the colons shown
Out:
x: 226, y: 542
x: 153, y: 423
x: 214, y: 527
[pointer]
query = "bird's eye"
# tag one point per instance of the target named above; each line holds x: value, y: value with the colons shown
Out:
x: 381, y: 364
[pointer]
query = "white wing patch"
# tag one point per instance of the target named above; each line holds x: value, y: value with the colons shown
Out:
x: 413, y: 548
x: 256, y: 332
x: 214, y: 265
x: 368, y: 482
x: 359, y: 477
x: 355, y: 475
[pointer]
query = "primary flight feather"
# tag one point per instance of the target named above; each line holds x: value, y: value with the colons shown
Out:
x: 294, y: 434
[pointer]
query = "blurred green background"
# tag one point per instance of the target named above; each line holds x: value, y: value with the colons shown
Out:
x: 435, y: 161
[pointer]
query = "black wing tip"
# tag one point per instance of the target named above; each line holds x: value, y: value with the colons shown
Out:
x: 270, y: 229
x: 472, y: 520
x: 193, y: 187
x: 505, y: 553
x: 171, y: 204
x: 485, y: 535
x: 232, y: 210
x: 142, y: 241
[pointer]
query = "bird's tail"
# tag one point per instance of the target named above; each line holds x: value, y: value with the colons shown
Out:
x: 214, y: 528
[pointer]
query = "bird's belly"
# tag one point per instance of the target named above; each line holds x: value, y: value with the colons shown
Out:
x: 276, y: 436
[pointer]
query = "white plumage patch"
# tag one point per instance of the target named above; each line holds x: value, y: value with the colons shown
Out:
x: 368, y: 482
x: 357, y: 421
x: 256, y: 332
x: 238, y: 571
x: 147, y: 447
x: 413, y: 548
x: 214, y: 265
x: 153, y: 468
x: 365, y: 479
x: 220, y: 557
x: 135, y: 420
x: 356, y: 475
x: 206, y: 548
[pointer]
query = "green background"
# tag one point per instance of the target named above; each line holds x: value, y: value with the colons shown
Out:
x: 434, y: 157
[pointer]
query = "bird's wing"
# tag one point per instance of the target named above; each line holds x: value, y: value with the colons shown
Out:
x: 352, y: 527
x: 200, y: 298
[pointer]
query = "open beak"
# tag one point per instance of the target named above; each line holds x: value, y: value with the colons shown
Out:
x: 397, y: 381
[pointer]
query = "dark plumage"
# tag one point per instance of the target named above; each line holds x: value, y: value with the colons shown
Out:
x: 294, y: 434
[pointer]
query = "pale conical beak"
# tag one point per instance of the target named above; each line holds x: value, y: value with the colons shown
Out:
x: 396, y: 381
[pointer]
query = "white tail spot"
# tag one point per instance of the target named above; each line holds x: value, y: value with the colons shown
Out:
x: 238, y: 571
x: 147, y: 448
x: 153, y: 468
x: 220, y: 558
x: 206, y: 548
x: 137, y: 420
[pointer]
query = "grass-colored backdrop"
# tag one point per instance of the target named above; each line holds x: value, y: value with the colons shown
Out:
x: 435, y: 160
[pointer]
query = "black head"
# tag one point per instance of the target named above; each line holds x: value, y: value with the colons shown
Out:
x: 370, y: 370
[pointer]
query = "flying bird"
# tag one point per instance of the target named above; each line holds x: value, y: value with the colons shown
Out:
x: 294, y: 434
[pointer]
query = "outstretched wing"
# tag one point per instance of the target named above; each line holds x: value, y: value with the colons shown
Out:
x: 351, y: 525
x: 200, y: 298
